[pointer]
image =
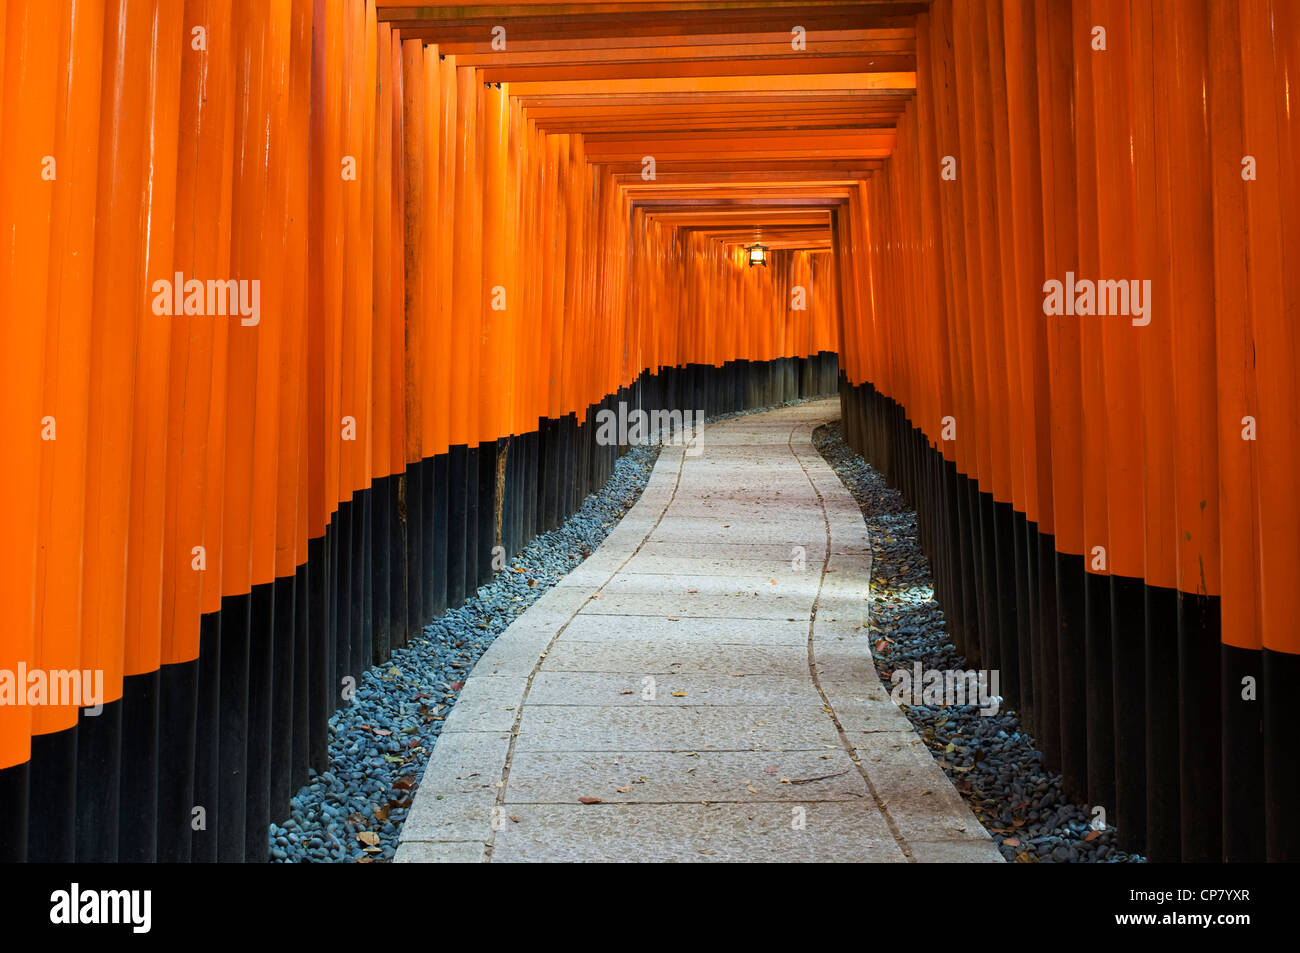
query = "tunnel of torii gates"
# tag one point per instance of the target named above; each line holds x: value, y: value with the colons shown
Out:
x: 455, y: 234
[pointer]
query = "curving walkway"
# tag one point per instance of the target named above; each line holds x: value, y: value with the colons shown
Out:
x: 705, y: 676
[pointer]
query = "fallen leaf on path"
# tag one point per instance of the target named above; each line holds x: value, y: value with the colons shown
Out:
x: 589, y: 800
x: 819, y: 778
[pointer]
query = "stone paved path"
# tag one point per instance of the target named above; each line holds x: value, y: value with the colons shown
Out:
x: 706, y: 676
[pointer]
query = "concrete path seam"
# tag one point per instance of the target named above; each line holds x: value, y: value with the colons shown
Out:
x: 881, y: 806
x: 519, y: 715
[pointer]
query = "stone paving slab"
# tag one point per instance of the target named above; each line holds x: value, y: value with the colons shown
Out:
x: 680, y: 657
x: 653, y: 629
x: 760, y: 569
x: 780, y: 580
x: 737, y: 589
x: 814, y: 550
x: 661, y: 727
x: 688, y: 777
x: 440, y: 852
x: 786, y: 532
x: 740, y: 604
x: 831, y: 831
x: 639, y: 688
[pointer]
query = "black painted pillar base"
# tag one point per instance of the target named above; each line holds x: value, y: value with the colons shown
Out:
x: 178, y: 730
x: 1100, y: 695
x: 202, y: 815
x: 232, y: 785
x: 1241, y: 685
x: 99, y: 763
x: 1200, y: 741
x: 15, y: 797
x: 1281, y: 756
x: 1072, y: 659
x: 1047, y: 705
x: 51, y: 796
x: 1164, y: 837
x: 261, y: 663
x: 457, y: 523
x: 1128, y: 651
x: 438, y: 515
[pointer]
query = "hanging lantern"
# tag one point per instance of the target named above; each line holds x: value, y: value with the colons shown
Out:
x: 757, y: 254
